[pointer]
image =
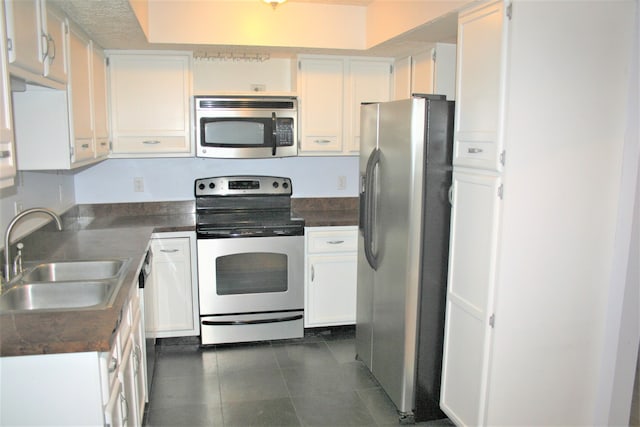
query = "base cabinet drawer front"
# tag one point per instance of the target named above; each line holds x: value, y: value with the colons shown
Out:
x: 330, y: 276
x: 171, y: 295
x: 328, y: 240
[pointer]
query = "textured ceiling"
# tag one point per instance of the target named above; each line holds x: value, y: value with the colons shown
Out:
x: 112, y: 24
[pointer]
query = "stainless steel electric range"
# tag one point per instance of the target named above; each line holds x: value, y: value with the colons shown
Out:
x: 250, y: 259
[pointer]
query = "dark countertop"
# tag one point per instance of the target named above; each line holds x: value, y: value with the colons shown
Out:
x: 65, y: 331
x: 117, y: 231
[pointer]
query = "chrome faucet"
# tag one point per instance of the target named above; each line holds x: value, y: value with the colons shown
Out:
x: 12, y: 223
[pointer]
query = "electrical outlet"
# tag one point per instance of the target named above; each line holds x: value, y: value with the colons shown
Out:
x: 138, y: 184
x: 17, y: 207
x: 342, y: 182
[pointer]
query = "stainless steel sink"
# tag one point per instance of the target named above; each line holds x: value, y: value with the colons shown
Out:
x: 60, y: 285
x: 64, y: 271
x: 43, y: 296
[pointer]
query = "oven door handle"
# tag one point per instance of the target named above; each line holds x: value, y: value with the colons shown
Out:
x: 251, y: 322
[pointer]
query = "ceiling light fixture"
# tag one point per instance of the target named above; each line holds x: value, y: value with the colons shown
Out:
x: 274, y: 3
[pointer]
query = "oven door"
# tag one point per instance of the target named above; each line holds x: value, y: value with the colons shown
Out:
x: 250, y: 275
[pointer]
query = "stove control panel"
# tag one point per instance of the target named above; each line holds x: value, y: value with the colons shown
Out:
x: 243, y: 186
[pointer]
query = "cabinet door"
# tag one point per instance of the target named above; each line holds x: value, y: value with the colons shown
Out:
x: 472, y: 259
x: 139, y: 362
x: 369, y: 81
x: 55, y: 66
x: 131, y: 417
x: 114, y: 409
x: 422, y: 71
x: 24, y: 34
x: 480, y: 87
x: 101, y: 125
x: 321, y: 105
x: 150, y: 104
x: 80, y: 96
x: 331, y: 290
x: 7, y: 147
x: 170, y: 291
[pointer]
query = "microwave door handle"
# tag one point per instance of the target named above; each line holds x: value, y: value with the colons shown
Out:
x: 273, y: 133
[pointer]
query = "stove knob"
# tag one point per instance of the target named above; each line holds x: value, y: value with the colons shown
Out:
x: 285, y: 185
x: 201, y: 186
x: 212, y: 185
x: 275, y: 185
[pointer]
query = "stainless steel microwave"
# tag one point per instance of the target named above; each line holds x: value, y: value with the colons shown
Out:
x: 246, y: 127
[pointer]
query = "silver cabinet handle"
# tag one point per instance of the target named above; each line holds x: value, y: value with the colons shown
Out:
x: 169, y: 251
x: 5, y: 154
x: 335, y: 242
x: 45, y: 46
x: 85, y: 145
x: 151, y: 142
x: 322, y: 141
x: 313, y: 273
x: 103, y: 143
x: 474, y: 150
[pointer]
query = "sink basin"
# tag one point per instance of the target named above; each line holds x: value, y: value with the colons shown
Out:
x: 65, y: 271
x: 41, y: 296
x: 71, y: 285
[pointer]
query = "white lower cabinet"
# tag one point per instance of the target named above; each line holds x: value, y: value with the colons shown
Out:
x: 88, y: 388
x: 330, y: 276
x: 171, y: 292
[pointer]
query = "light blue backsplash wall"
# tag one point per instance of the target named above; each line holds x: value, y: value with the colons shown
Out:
x: 113, y: 181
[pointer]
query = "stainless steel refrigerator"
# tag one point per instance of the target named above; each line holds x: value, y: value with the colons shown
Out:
x: 403, y: 244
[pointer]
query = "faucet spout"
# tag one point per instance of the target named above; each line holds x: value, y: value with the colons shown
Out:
x: 12, y: 223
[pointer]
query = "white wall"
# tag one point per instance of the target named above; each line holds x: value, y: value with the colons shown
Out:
x: 173, y: 179
x: 565, y: 139
x: 54, y: 190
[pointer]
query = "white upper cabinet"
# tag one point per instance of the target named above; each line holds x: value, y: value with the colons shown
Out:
x: 80, y: 88
x: 321, y: 93
x: 35, y: 42
x: 330, y: 90
x: 480, y: 88
x: 100, y: 109
x: 430, y: 72
x: 7, y: 147
x: 150, y: 104
x: 55, y: 65
x: 369, y: 81
x: 72, y: 129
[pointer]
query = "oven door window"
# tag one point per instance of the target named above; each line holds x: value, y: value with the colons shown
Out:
x: 234, y: 132
x: 251, y: 273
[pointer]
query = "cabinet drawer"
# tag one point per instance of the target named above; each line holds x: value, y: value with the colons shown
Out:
x: 102, y: 147
x: 477, y: 152
x: 332, y: 241
x: 321, y: 143
x: 150, y: 144
x: 170, y: 249
x: 83, y: 149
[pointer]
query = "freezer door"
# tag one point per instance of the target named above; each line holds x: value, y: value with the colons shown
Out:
x: 364, y: 306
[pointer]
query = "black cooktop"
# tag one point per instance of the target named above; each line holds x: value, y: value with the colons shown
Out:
x: 245, y: 206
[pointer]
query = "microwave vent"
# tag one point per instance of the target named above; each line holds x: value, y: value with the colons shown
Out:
x: 247, y: 103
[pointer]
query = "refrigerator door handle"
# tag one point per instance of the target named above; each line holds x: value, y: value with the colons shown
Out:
x: 370, y: 206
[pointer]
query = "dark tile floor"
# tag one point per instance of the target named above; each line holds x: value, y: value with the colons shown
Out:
x: 314, y: 381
